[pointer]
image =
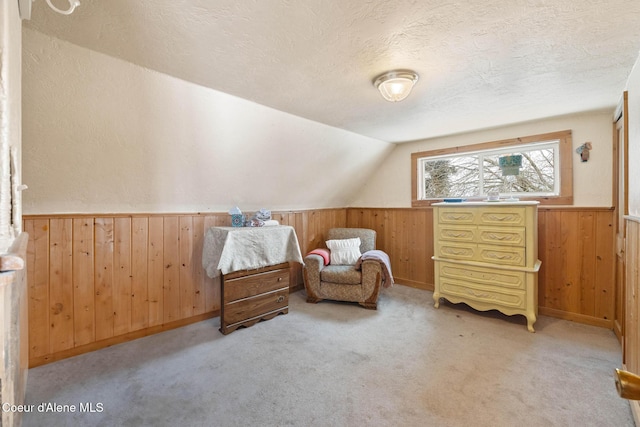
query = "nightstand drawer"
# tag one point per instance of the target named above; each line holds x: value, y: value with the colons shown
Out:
x: 255, y: 284
x: 248, y: 308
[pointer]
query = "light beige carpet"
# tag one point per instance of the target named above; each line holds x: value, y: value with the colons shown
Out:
x: 336, y: 364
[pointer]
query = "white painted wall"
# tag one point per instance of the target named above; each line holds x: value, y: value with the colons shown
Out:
x: 104, y: 135
x: 390, y: 186
x: 633, y: 88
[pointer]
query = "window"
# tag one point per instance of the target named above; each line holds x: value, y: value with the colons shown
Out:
x: 473, y: 171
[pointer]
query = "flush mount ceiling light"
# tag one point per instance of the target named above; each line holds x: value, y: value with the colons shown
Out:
x: 396, y: 85
x: 24, y: 6
x: 72, y: 6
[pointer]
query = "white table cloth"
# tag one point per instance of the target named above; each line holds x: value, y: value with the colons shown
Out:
x: 228, y: 249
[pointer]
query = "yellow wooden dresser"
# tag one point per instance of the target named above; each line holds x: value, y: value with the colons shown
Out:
x: 486, y: 256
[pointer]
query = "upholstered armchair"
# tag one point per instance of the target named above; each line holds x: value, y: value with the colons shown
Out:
x: 358, y: 282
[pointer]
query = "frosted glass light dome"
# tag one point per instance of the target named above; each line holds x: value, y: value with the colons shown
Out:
x: 396, y: 85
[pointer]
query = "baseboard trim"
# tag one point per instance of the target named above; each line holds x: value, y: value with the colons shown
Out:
x: 296, y: 288
x: 413, y: 283
x: 579, y: 318
x: 97, y: 345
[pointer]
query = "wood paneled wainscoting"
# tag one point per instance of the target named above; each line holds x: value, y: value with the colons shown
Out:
x: 575, y: 245
x: 406, y: 235
x: 631, y: 347
x: 97, y: 280
x: 577, y: 277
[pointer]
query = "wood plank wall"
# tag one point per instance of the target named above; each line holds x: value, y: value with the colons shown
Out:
x: 97, y: 280
x: 406, y: 235
x: 575, y: 245
x: 577, y: 277
x: 631, y: 345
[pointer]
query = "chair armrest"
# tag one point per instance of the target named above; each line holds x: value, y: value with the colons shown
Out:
x: 313, y: 264
x: 371, y: 277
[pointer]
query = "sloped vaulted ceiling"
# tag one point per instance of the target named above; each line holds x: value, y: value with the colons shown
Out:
x: 481, y: 63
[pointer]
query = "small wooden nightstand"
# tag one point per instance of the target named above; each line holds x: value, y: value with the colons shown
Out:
x: 249, y: 296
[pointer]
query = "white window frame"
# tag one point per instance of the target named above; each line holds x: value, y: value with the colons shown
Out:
x: 563, y: 166
x: 554, y: 145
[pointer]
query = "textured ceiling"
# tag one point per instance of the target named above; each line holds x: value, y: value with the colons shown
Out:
x: 481, y: 63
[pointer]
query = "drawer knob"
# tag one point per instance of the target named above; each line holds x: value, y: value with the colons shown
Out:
x: 279, y: 279
x: 280, y: 298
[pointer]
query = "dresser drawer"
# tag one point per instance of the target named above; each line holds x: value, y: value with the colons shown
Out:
x: 459, y: 251
x: 453, y: 233
x: 456, y: 216
x: 504, y: 255
x: 255, y: 284
x: 483, y: 276
x: 510, y: 236
x: 502, y: 216
x: 470, y: 292
x: 259, y: 305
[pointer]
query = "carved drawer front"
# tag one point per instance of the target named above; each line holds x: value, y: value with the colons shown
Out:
x: 511, y: 236
x: 485, y: 276
x: 457, y: 251
x: 505, y: 255
x: 255, y: 284
x: 259, y: 305
x: 502, y: 217
x: 483, y: 294
x: 456, y: 216
x: 457, y: 233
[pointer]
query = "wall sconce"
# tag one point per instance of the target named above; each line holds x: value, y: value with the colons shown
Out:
x: 583, y: 150
x: 396, y: 85
x: 25, y: 7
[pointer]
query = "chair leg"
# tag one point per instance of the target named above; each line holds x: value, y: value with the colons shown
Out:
x: 313, y: 300
x: 369, y: 305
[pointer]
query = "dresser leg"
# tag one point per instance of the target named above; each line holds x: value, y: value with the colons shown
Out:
x: 530, y: 323
x: 436, y: 300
